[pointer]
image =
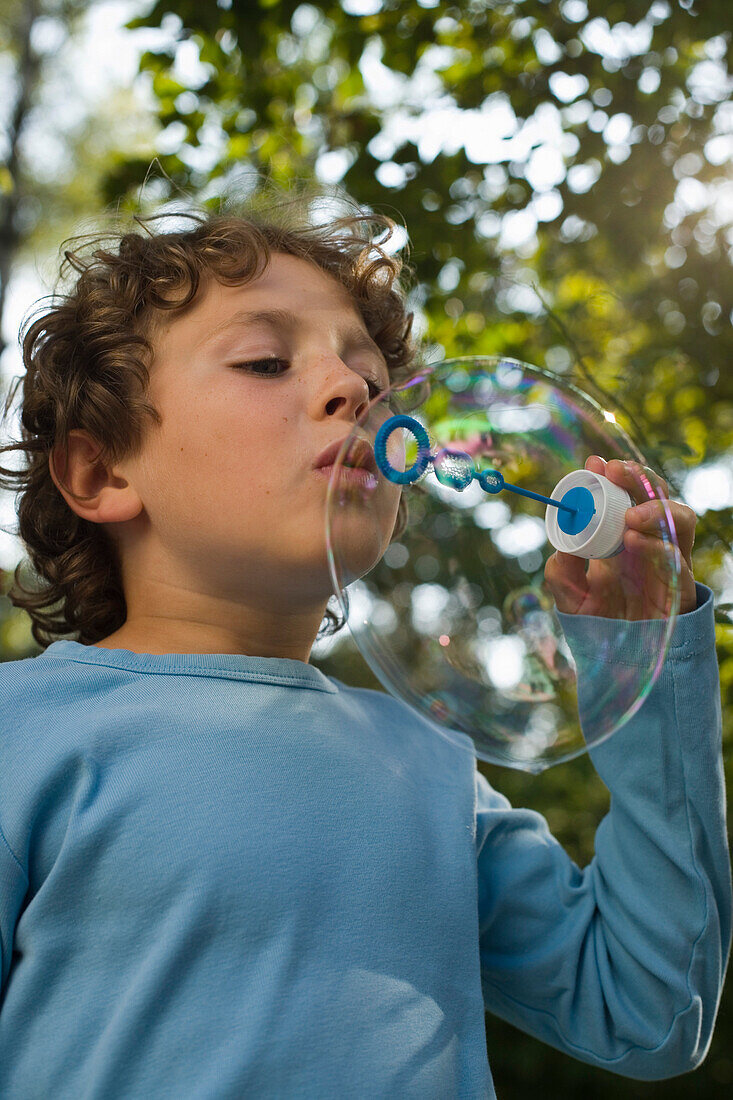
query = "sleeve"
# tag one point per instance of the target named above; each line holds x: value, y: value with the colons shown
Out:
x: 13, y: 888
x: 621, y: 964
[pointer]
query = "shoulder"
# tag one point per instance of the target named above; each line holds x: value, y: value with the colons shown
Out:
x: 400, y: 722
x: 27, y: 681
x: 40, y: 701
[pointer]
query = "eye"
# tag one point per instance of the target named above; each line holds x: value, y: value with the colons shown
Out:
x: 374, y: 386
x: 259, y: 363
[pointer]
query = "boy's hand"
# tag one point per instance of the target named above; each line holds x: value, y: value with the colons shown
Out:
x: 634, y: 584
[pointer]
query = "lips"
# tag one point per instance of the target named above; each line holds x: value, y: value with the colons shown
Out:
x: 360, y: 454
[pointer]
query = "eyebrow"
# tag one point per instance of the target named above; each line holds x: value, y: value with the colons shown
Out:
x: 355, y: 338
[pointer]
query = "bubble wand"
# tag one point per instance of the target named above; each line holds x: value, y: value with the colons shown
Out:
x: 589, y: 519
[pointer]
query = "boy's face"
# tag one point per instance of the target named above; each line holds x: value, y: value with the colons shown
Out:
x: 221, y: 517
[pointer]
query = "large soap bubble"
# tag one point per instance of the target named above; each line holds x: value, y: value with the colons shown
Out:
x: 454, y: 615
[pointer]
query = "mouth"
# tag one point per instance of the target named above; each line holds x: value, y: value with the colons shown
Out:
x: 358, y: 459
x: 349, y: 475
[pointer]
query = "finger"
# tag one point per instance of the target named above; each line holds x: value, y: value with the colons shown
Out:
x: 641, y: 482
x: 651, y: 518
x: 596, y: 464
x: 567, y: 581
x: 655, y: 576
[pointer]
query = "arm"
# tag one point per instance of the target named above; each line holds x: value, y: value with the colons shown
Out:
x: 621, y: 964
x: 13, y: 887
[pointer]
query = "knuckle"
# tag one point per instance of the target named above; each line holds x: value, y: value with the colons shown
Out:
x: 690, y: 515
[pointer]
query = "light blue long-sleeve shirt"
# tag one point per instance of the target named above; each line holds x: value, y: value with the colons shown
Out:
x: 226, y: 876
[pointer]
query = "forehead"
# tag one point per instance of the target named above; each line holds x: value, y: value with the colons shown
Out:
x: 288, y: 281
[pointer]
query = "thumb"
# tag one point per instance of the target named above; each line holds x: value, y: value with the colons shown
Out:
x: 566, y: 579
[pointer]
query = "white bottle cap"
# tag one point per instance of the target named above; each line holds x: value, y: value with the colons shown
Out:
x: 604, y: 535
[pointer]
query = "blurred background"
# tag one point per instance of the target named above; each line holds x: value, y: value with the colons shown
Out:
x: 561, y: 171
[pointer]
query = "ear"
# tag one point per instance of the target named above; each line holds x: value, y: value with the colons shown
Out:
x: 90, y: 488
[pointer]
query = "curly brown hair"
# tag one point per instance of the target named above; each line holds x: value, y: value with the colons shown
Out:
x: 87, y: 365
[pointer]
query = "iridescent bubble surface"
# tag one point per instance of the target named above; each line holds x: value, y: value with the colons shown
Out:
x: 453, y: 613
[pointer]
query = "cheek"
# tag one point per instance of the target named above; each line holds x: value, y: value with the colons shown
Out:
x: 233, y: 453
x: 217, y: 433
x: 231, y: 462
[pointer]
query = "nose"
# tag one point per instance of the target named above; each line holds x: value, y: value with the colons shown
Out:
x: 343, y: 390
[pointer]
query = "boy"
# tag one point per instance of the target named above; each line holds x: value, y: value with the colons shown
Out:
x: 225, y: 874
